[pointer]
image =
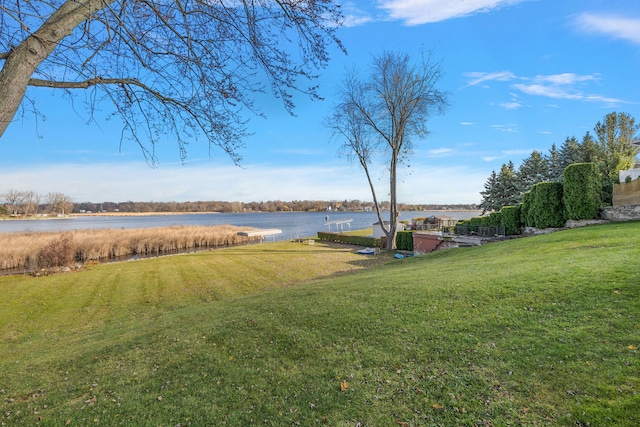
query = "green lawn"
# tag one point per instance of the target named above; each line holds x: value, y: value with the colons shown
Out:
x: 535, y: 331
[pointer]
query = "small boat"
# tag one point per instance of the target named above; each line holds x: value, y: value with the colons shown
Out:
x: 367, y: 251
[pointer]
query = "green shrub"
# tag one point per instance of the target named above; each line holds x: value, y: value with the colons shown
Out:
x: 547, y: 209
x: 511, y: 220
x: 353, y: 240
x: 404, y: 240
x: 494, y: 219
x: 582, y: 191
x: 525, y: 210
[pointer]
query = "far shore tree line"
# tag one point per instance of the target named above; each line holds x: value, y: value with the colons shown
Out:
x: 610, y: 149
x: 30, y: 203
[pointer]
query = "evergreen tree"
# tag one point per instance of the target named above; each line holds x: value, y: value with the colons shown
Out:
x: 570, y: 152
x: 589, y: 149
x: 507, y: 191
x: 555, y: 164
x: 534, y: 169
x: 488, y: 202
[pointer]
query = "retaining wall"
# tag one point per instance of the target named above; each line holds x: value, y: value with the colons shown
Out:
x: 621, y: 213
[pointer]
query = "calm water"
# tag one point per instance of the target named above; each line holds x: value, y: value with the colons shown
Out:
x: 292, y: 224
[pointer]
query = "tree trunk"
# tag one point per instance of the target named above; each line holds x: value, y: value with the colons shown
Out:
x: 393, y: 214
x: 25, y: 59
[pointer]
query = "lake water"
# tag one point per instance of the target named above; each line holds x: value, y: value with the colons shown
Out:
x: 293, y: 224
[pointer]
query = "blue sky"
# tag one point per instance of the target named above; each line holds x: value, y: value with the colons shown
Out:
x: 523, y: 74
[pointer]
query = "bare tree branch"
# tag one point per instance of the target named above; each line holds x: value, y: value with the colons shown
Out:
x: 184, y: 68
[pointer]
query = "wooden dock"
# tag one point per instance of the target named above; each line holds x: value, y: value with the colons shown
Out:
x: 262, y: 233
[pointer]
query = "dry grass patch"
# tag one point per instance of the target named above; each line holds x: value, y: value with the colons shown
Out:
x: 33, y: 250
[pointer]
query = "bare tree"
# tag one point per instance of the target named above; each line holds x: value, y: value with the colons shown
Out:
x: 185, y: 68
x: 58, y: 203
x: 393, y: 105
x: 31, y: 202
x: 357, y: 141
x: 13, y: 198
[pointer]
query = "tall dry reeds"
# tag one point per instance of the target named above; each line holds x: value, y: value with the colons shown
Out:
x: 35, y: 249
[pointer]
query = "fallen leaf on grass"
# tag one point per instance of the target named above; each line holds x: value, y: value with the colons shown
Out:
x: 344, y: 385
x: 438, y: 407
x: 631, y: 347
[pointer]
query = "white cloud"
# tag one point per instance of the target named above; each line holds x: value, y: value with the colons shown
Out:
x: 467, y: 123
x: 491, y: 158
x: 568, y: 86
x: 550, y: 91
x: 564, y: 78
x: 478, y: 77
x: 416, y: 12
x: 439, y: 152
x: 564, y: 86
x: 511, y: 105
x: 506, y: 128
x: 612, y: 25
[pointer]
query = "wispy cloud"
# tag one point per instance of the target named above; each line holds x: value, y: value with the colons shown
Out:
x: 564, y: 86
x: 478, y: 77
x: 440, y: 152
x: 612, y: 25
x: 514, y: 105
x: 354, y: 16
x: 416, y: 12
x: 567, y: 86
x: 506, y: 128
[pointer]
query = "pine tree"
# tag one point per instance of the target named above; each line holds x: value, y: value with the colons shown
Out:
x: 507, y: 188
x: 571, y: 152
x: 488, y: 202
x: 554, y: 163
x: 534, y: 169
x: 591, y: 152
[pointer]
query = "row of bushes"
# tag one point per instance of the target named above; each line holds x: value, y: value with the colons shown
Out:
x: 404, y: 240
x: 371, y: 242
x: 548, y: 204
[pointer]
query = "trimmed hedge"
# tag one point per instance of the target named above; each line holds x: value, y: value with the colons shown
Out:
x: 526, y: 219
x: 547, y: 209
x: 582, y: 191
x: 511, y: 220
x: 404, y: 240
x: 371, y: 242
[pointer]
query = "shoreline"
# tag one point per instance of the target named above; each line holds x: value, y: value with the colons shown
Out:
x: 138, y: 214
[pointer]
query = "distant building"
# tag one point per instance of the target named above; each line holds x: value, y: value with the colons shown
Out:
x: 379, y: 232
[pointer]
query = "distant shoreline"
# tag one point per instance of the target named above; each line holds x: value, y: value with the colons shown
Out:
x: 139, y: 214
x: 248, y: 212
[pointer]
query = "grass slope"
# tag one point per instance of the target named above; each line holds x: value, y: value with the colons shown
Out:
x: 536, y: 331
